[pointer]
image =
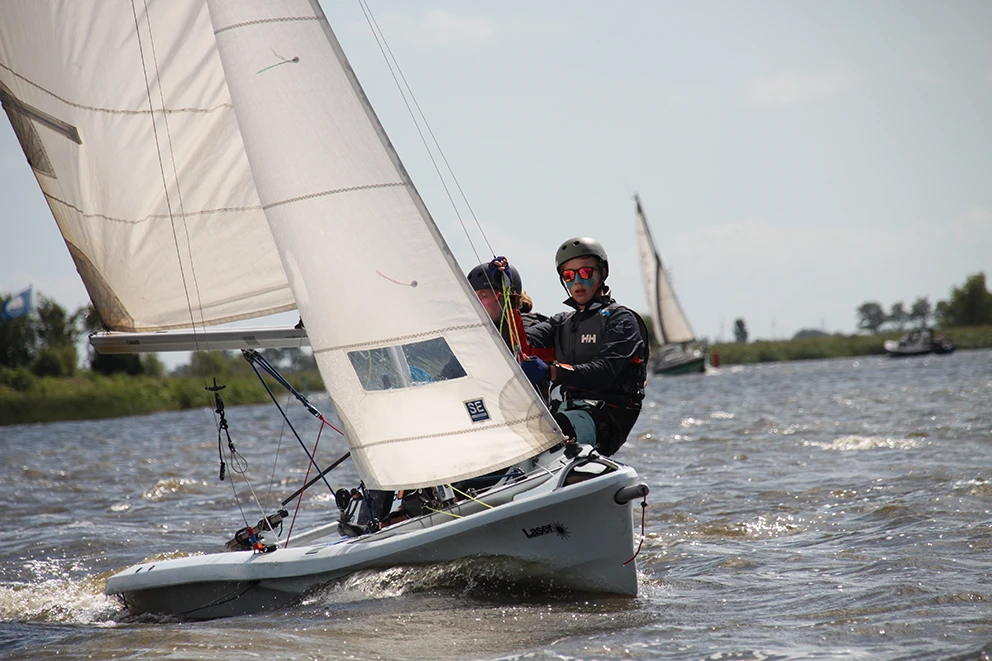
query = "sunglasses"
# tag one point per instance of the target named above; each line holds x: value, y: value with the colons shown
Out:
x: 584, y: 273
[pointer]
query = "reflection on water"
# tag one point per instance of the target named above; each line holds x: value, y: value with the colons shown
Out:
x: 823, y: 509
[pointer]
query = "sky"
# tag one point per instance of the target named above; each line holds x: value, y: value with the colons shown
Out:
x: 794, y: 159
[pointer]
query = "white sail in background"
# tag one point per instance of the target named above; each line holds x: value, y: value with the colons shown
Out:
x: 670, y: 324
x: 425, y: 388
x: 124, y: 115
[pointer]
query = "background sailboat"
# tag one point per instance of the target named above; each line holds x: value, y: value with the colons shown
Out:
x: 215, y: 161
x: 671, y: 328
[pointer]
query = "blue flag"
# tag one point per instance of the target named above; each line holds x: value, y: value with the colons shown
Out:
x: 16, y: 306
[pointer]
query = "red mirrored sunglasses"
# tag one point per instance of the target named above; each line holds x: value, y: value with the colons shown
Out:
x: 584, y: 273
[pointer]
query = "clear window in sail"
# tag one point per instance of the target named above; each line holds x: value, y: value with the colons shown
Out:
x: 406, y: 366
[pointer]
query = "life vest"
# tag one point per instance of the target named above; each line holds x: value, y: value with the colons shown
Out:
x: 578, y: 340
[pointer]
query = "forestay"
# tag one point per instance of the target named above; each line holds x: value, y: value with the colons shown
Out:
x: 124, y: 115
x: 670, y: 324
x: 424, y: 387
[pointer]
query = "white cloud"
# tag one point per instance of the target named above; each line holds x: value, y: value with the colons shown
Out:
x: 791, y: 88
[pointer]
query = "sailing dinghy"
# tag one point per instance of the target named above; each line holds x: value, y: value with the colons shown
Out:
x: 671, y: 328
x: 208, y: 162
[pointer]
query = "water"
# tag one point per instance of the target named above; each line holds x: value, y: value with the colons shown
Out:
x: 809, y: 510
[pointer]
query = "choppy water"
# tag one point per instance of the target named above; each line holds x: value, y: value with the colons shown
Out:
x: 813, y: 510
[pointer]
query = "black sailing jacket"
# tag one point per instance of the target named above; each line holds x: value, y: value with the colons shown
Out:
x: 605, y: 347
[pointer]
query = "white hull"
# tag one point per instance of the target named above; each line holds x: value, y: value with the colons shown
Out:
x: 573, y: 537
x: 895, y: 348
x: 918, y: 343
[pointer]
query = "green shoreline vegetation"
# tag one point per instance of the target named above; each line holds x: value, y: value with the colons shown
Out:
x: 92, y: 396
x: 836, y: 346
x: 26, y: 398
x: 41, y: 379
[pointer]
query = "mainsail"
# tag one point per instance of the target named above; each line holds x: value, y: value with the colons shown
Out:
x: 125, y: 117
x: 670, y: 324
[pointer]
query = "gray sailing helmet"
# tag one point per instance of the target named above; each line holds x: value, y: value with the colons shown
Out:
x: 582, y: 246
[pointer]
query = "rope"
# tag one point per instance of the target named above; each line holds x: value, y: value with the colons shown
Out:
x: 507, y: 317
x: 239, y: 464
x: 173, y: 219
x: 472, y: 498
x: 644, y: 508
x: 451, y: 514
x: 257, y: 361
x: 306, y: 478
x: 397, y: 74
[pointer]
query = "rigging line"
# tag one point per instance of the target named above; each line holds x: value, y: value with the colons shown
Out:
x: 306, y: 478
x: 644, y: 507
x: 238, y: 463
x: 298, y: 492
x: 275, y: 463
x: 161, y: 164
x: 294, y: 359
x: 470, y: 497
x: 451, y: 514
x: 256, y: 358
x: 310, y: 408
x: 234, y: 460
x: 511, y: 320
x: 256, y: 361
x: 391, y: 62
x: 243, y: 472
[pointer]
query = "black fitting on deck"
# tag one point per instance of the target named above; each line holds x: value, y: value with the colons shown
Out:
x: 627, y: 494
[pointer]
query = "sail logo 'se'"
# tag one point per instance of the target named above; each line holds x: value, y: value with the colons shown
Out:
x: 589, y: 338
x: 477, y: 410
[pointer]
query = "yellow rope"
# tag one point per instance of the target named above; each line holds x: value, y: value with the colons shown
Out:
x: 460, y: 492
x: 431, y: 509
x: 507, y: 317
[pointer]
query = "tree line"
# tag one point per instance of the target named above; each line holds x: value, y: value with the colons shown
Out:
x: 44, y: 342
x: 968, y: 305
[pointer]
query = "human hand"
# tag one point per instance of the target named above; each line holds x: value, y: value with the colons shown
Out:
x: 498, y: 264
x: 535, y: 369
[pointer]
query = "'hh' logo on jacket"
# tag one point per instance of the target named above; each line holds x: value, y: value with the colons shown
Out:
x: 589, y: 338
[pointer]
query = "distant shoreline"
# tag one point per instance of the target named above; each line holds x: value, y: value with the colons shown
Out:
x: 835, y: 346
x: 92, y: 396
